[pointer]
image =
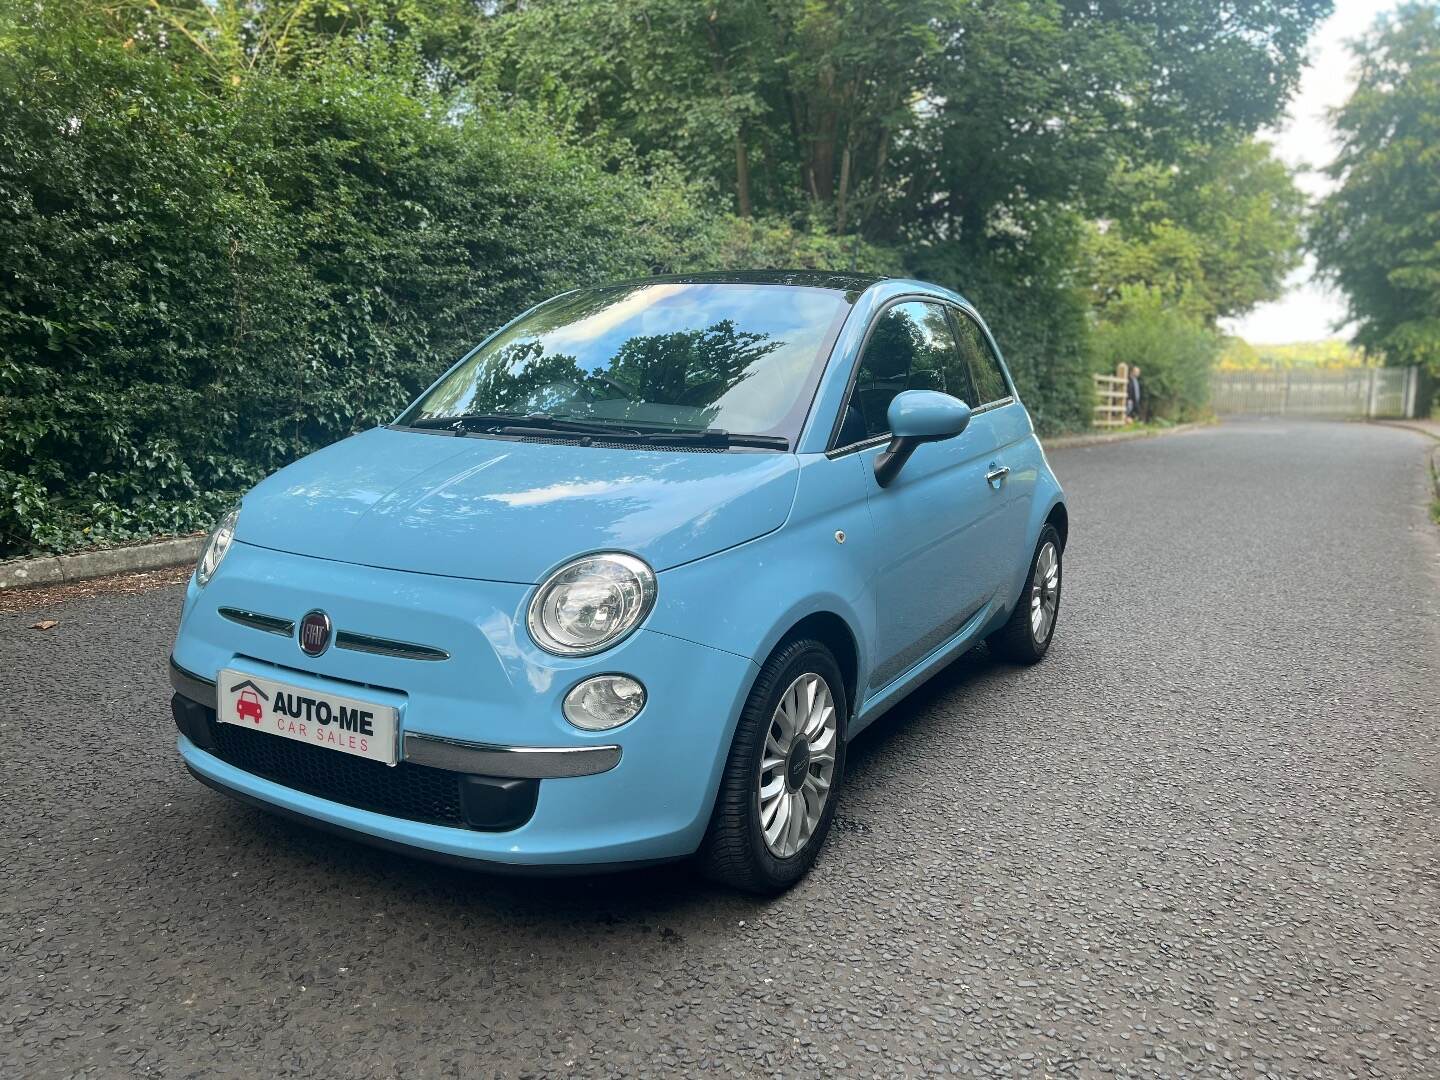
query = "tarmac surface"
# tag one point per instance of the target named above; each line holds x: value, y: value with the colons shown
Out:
x: 1202, y: 838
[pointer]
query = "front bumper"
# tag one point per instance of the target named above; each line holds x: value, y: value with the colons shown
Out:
x: 454, y: 755
x: 640, y: 793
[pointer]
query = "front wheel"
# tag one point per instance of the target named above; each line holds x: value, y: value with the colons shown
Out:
x: 777, y: 794
x: 1025, y: 638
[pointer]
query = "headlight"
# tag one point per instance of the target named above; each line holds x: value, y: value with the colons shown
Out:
x: 216, y: 545
x: 591, y: 604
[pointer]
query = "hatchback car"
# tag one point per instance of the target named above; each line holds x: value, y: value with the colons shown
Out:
x: 622, y: 585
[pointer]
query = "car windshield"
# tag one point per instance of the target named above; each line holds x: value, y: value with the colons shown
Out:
x: 652, y: 357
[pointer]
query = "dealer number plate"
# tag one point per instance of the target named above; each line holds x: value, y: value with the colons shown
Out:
x: 333, y: 721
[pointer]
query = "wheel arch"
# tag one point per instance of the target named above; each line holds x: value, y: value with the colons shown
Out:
x: 832, y: 631
x: 1059, y: 516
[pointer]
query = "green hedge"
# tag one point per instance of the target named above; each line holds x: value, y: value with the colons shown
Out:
x: 199, y: 286
x: 203, y: 282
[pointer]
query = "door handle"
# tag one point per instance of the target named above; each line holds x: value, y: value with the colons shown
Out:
x: 996, y: 476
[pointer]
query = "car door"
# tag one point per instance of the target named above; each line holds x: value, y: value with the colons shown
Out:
x: 934, y: 522
x: 1014, y: 471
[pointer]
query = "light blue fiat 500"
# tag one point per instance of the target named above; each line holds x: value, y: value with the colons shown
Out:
x: 621, y: 586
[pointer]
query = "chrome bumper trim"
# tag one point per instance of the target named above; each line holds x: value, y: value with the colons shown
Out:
x: 512, y: 762
x: 478, y: 759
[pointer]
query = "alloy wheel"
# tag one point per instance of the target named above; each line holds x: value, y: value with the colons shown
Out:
x: 1044, y: 593
x: 797, y: 765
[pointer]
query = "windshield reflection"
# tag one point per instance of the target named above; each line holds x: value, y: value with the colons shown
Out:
x: 662, y: 356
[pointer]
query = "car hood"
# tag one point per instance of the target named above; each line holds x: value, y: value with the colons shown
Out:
x: 504, y: 510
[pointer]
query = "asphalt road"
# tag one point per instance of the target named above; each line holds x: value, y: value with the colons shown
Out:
x: 1201, y: 837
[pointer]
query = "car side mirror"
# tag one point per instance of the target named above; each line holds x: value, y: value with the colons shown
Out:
x: 915, y: 417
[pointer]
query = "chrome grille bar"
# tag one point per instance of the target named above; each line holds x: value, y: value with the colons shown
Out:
x: 344, y: 639
x: 269, y: 623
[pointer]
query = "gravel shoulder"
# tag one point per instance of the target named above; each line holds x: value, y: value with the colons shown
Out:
x: 1202, y: 838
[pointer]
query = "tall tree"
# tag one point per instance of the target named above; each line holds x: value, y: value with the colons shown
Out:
x: 1216, y: 235
x: 1040, y: 102
x: 1378, y: 234
x: 896, y: 115
x: 783, y: 102
x: 663, y: 76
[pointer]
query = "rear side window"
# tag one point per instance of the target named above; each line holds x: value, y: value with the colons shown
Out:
x: 911, y: 347
x: 984, y: 365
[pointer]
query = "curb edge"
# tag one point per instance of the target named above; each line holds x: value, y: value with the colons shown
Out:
x: 1065, y: 442
x: 59, y: 569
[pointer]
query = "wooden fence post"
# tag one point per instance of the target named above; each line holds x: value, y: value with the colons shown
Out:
x: 1110, y: 399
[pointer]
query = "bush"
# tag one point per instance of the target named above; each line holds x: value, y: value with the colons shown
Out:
x: 204, y: 282
x: 1175, y: 352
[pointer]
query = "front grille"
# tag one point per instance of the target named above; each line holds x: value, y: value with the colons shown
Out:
x: 410, y: 791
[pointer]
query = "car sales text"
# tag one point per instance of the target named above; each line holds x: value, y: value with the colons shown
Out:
x: 294, y: 711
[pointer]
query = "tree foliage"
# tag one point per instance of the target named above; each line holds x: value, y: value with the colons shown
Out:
x: 973, y: 135
x: 1216, y: 234
x: 1328, y: 354
x: 236, y: 230
x: 895, y: 112
x: 231, y: 40
x: 1377, y: 235
x: 782, y: 104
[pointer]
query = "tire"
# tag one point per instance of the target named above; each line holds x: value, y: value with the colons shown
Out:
x: 736, y: 850
x: 1018, y: 640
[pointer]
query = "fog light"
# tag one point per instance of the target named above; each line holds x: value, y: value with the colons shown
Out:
x: 604, y: 702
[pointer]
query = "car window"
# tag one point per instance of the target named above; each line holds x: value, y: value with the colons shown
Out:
x: 653, y: 356
x: 911, y: 347
x: 984, y: 365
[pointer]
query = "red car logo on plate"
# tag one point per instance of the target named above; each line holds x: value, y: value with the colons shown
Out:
x: 247, y: 706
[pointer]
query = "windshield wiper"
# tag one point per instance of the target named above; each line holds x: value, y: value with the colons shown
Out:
x: 460, y: 424
x: 538, y: 425
x: 509, y: 424
x: 716, y: 437
x: 565, y: 429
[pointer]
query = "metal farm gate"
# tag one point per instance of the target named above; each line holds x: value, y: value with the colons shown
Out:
x: 1367, y: 392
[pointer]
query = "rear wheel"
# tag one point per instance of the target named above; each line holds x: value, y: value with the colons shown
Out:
x: 1025, y: 638
x: 777, y: 794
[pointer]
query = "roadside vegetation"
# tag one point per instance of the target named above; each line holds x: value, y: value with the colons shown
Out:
x: 235, y: 232
x: 1377, y: 236
x: 1175, y: 351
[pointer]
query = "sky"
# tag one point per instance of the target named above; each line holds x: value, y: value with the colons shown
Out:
x: 1309, y: 311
